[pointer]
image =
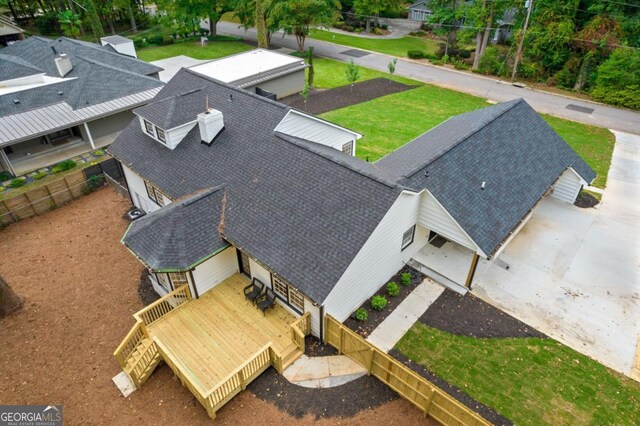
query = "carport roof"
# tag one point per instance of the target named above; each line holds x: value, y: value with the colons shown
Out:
x: 508, y: 146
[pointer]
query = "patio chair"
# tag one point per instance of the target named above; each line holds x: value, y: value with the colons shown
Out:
x: 267, y: 300
x: 253, y: 290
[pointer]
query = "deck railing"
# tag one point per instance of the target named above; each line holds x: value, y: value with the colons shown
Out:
x: 299, y: 329
x: 164, y: 305
x: 129, y: 344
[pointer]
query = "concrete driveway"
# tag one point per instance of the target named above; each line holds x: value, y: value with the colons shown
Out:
x: 574, y: 273
x: 172, y: 65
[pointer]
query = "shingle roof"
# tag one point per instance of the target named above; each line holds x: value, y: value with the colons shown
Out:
x: 14, y: 67
x: 297, y: 210
x: 174, y: 110
x: 116, y: 39
x: 508, y: 146
x: 181, y: 234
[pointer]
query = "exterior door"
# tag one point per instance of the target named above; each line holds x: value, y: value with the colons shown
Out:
x: 243, y: 260
x: 142, y: 203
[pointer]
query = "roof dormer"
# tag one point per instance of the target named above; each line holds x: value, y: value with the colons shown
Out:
x: 169, y: 120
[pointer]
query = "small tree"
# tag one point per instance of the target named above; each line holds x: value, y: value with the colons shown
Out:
x: 352, y: 73
x: 311, y: 70
x: 305, y: 93
x: 69, y: 23
x: 392, y: 68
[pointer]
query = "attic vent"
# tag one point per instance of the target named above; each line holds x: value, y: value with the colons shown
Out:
x: 16, y: 101
x: 63, y: 63
x: 211, y: 123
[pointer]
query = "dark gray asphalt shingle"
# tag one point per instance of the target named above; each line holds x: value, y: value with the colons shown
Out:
x: 508, y: 146
x: 14, y: 67
x: 299, y: 212
x: 174, y: 110
x: 181, y: 234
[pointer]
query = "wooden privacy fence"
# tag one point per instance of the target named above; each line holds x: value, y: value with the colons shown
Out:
x: 433, y: 401
x: 56, y: 193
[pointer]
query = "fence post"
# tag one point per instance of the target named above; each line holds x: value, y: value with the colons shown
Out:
x: 15, y: 219
x: 46, y: 186
x: 340, y: 349
x: 26, y: 195
x: 372, y: 351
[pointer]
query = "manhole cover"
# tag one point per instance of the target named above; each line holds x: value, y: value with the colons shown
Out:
x: 579, y: 108
x: 355, y: 53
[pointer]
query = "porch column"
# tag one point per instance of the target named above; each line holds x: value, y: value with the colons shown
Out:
x: 472, y: 270
x: 86, y: 129
x: 6, y: 162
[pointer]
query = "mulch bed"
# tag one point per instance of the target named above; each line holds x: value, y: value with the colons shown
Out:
x: 487, y: 412
x: 314, y: 347
x: 469, y: 316
x: 327, y: 100
x: 341, y: 401
x: 374, y: 318
x: 586, y: 200
x: 146, y: 293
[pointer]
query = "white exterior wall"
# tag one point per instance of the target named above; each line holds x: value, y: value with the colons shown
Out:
x: 172, y: 136
x: 315, y: 316
x: 434, y: 217
x: 310, y: 128
x: 379, y: 259
x: 139, y: 192
x: 283, y: 86
x: 215, y: 270
x: 568, y: 186
x: 157, y: 287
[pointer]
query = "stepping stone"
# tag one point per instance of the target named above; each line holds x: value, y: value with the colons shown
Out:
x: 124, y: 384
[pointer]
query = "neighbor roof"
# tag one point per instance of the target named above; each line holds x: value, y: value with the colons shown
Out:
x: 116, y: 39
x: 181, y: 234
x: 100, y: 78
x: 247, y: 67
x: 300, y: 211
x: 174, y: 110
x: 508, y: 146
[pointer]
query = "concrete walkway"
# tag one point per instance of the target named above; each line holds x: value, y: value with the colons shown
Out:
x: 323, y: 371
x: 391, y: 330
x: 549, y: 103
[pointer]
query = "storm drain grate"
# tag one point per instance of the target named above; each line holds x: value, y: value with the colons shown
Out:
x: 579, y: 108
x: 355, y: 53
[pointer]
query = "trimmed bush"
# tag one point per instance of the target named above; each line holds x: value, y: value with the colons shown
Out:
x: 98, y: 153
x: 361, y: 315
x: 405, y: 279
x: 64, y: 166
x: 377, y: 31
x: 378, y: 302
x: 5, y: 175
x: 156, y: 39
x: 17, y: 183
x: 40, y: 175
x: 392, y: 289
x: 415, y: 54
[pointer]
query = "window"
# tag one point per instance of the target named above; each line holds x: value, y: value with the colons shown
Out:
x: 163, y: 280
x: 154, y: 193
x: 160, y: 134
x: 407, y: 237
x: 288, y: 294
x: 178, y: 279
x: 148, y: 127
x: 347, y: 148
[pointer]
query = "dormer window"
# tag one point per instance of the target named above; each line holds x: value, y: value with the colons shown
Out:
x: 160, y: 134
x: 148, y: 127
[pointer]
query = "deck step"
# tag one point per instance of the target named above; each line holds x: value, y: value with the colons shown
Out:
x: 290, y: 354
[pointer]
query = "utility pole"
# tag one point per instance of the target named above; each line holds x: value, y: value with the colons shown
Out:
x: 521, y: 44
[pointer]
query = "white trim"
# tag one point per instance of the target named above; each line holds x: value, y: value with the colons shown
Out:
x: 6, y: 159
x: 86, y: 128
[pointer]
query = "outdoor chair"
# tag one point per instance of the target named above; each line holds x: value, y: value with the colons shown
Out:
x: 267, y: 300
x: 253, y: 290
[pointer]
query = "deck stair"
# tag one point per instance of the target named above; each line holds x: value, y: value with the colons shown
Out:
x: 289, y: 355
x: 142, y: 361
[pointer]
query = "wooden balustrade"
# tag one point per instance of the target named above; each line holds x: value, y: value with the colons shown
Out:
x: 299, y: 329
x: 129, y: 344
x: 164, y: 305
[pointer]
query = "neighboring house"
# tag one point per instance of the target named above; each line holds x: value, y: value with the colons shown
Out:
x: 266, y: 73
x: 251, y: 185
x: 61, y: 98
x: 420, y: 11
x: 120, y: 44
x: 505, y: 26
x: 9, y: 31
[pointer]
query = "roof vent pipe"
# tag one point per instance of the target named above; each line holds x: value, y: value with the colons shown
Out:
x: 63, y: 63
x: 483, y: 185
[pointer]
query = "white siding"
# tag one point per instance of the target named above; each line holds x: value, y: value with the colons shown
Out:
x: 157, y: 287
x: 215, y: 270
x: 259, y: 272
x: 434, y: 217
x: 315, y: 316
x: 568, y: 186
x: 175, y: 135
x: 282, y: 86
x: 379, y: 259
x: 315, y: 130
x: 139, y: 192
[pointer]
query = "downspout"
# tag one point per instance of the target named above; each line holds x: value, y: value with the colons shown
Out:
x: 322, y: 324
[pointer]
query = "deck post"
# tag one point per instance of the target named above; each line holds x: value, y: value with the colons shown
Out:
x: 472, y: 270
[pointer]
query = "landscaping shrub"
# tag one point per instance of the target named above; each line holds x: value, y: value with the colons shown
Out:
x: 618, y: 79
x: 405, y: 278
x: 349, y: 28
x: 417, y: 33
x: 459, y: 65
x: 358, y: 30
x: 430, y: 56
x: 393, y: 289
x: 156, y: 39
x: 384, y: 27
x: 361, y: 315
x: 140, y: 43
x: 64, y: 166
x: 378, y: 302
x: 416, y: 54
x: 377, y: 31
x: 40, y: 175
x: 5, y: 175
x: 426, y: 27
x: 98, y: 153
x: 95, y: 182
x: 490, y: 61
x: 17, y: 183
x: 464, y: 54
x: 47, y: 23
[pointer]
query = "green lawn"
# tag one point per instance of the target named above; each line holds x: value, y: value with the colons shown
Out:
x: 531, y: 381
x: 390, y: 46
x: 329, y: 74
x: 391, y: 121
x: 215, y: 49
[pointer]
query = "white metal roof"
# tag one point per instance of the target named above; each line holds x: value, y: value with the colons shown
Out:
x: 304, y: 126
x: 37, y: 122
x: 246, y: 64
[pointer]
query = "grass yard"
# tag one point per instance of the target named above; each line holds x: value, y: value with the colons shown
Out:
x: 391, y: 121
x: 390, y: 46
x: 215, y: 49
x: 528, y: 380
x: 330, y: 74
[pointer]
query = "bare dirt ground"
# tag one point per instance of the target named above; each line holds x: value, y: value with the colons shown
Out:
x: 80, y: 288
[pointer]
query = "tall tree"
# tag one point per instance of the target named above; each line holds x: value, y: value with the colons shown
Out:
x: 298, y: 16
x: 372, y: 8
x: 94, y: 19
x: 70, y: 23
x: 186, y: 13
x: 249, y: 13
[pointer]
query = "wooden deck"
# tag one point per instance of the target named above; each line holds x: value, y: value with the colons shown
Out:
x: 218, y: 332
